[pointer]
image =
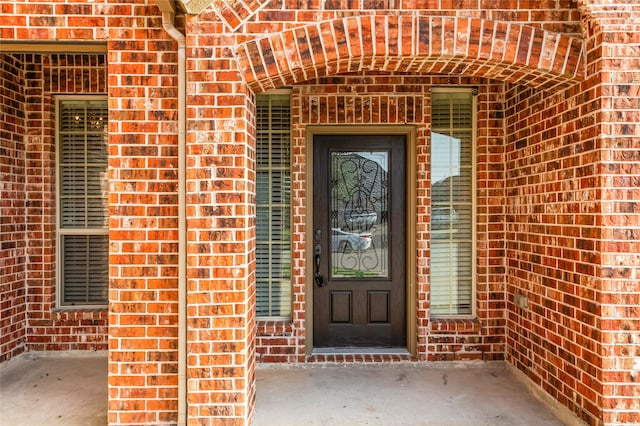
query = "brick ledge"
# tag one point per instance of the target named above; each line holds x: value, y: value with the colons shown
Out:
x: 455, y: 325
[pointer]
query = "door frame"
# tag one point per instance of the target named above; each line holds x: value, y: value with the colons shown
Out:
x: 410, y: 132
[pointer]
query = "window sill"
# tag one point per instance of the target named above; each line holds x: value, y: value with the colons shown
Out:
x: 88, y: 309
x: 274, y: 326
x: 453, y: 325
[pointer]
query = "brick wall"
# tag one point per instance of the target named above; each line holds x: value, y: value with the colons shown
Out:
x: 13, y: 302
x: 561, y: 16
x: 29, y: 269
x: 388, y: 99
x: 552, y: 241
x: 48, y: 75
x: 573, y: 255
x: 572, y: 224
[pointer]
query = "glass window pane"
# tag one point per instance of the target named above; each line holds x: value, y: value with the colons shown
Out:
x: 85, y: 269
x: 82, y: 192
x: 452, y: 203
x: 83, y: 164
x: 273, y: 194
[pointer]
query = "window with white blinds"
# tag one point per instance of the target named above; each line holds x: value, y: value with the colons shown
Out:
x: 273, y: 195
x: 83, y: 240
x: 452, y: 206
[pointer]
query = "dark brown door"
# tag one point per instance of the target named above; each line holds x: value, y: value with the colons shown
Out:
x: 359, y: 210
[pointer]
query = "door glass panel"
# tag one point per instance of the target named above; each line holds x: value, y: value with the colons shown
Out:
x: 359, y: 214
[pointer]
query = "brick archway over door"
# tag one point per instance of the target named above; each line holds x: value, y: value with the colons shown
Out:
x: 502, y: 51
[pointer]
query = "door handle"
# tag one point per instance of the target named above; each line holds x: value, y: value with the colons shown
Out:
x: 320, y: 280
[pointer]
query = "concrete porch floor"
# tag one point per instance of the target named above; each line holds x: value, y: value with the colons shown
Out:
x: 54, y: 389
x: 447, y: 394
x: 71, y: 389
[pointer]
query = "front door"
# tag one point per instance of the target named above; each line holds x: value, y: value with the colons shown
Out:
x: 359, y: 210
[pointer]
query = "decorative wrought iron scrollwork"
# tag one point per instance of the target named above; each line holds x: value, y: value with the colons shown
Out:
x: 359, y: 219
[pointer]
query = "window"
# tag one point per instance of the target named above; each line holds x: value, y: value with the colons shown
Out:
x: 83, y: 240
x: 273, y: 192
x: 452, y: 207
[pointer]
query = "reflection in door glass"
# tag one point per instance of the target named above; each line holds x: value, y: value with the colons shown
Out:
x: 359, y: 214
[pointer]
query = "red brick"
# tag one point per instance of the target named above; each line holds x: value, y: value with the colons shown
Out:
x: 555, y: 184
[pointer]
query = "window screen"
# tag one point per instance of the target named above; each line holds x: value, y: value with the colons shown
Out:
x: 273, y: 189
x: 452, y: 207
x: 82, y: 201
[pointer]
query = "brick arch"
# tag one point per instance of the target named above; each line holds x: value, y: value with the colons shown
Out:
x: 503, y: 51
x: 236, y: 13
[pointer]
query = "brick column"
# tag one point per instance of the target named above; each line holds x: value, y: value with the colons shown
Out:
x: 143, y: 221
x: 221, y: 231
x: 615, y: 36
x: 13, y: 204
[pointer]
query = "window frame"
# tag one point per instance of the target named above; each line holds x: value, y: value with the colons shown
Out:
x: 279, y: 92
x: 60, y: 231
x: 474, y: 205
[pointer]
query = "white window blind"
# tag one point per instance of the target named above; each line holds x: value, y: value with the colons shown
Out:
x: 273, y: 194
x: 452, y: 209
x: 83, y: 241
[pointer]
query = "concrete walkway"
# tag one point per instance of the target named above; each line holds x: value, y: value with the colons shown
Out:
x: 71, y: 389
